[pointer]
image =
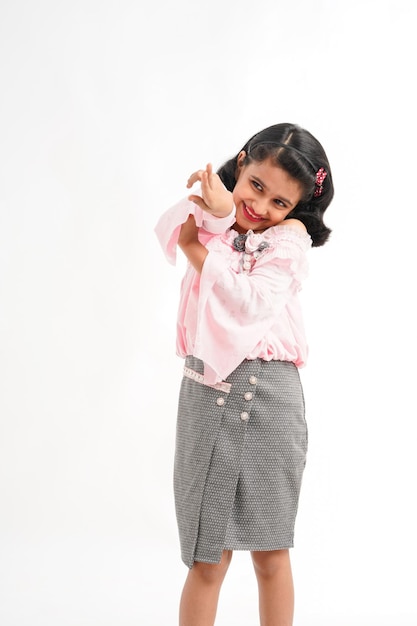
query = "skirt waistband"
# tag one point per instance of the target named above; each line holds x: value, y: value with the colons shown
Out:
x: 199, y: 378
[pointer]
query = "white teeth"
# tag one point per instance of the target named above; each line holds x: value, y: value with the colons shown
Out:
x: 252, y: 214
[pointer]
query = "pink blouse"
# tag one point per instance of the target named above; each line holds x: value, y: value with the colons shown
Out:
x: 244, y: 304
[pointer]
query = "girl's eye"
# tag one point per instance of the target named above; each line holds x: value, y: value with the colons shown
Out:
x: 280, y: 203
x: 257, y: 185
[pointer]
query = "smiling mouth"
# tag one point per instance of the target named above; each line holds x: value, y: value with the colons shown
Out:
x: 251, y: 215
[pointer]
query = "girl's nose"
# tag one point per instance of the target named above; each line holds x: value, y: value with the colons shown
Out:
x: 260, y: 208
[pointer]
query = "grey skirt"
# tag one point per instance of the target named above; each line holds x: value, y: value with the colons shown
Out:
x: 239, y: 460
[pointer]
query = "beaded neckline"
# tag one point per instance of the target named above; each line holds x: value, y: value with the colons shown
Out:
x: 240, y: 243
x: 251, y: 245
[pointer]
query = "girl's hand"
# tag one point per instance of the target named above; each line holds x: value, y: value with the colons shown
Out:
x: 188, y: 233
x: 216, y: 199
x: 191, y: 246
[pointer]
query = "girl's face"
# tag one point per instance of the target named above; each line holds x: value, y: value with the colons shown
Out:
x: 264, y: 195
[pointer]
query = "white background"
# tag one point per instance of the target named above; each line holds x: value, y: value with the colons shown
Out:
x: 106, y: 107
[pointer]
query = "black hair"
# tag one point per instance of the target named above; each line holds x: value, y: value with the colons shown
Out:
x: 296, y: 151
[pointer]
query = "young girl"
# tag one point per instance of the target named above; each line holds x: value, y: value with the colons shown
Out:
x: 241, y: 433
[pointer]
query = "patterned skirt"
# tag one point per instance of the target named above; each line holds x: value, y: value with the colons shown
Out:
x: 239, y: 459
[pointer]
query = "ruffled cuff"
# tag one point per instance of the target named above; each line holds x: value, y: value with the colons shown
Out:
x: 218, y: 225
x: 169, y: 225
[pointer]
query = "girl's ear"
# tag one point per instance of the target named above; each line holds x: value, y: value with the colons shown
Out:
x: 240, y: 158
x: 239, y: 164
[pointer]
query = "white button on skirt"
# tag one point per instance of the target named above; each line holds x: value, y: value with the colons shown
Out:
x: 239, y: 460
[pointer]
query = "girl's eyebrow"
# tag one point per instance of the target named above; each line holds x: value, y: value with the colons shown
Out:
x: 258, y: 180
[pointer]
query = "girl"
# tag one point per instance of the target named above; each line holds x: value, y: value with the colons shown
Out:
x: 241, y: 433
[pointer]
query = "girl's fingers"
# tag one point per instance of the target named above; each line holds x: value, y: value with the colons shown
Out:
x: 200, y: 175
x: 195, y: 199
x: 199, y: 202
x: 195, y: 176
x: 209, y: 170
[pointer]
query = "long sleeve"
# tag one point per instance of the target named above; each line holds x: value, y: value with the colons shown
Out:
x: 237, y: 309
x: 168, y: 227
x: 234, y: 309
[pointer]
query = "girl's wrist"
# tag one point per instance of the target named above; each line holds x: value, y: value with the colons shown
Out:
x: 222, y: 213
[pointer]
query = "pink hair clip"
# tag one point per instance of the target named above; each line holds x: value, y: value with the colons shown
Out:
x: 320, y: 176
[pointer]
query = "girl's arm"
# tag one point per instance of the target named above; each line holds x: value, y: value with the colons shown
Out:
x: 216, y: 200
x: 213, y: 210
x: 188, y: 242
x: 236, y: 310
